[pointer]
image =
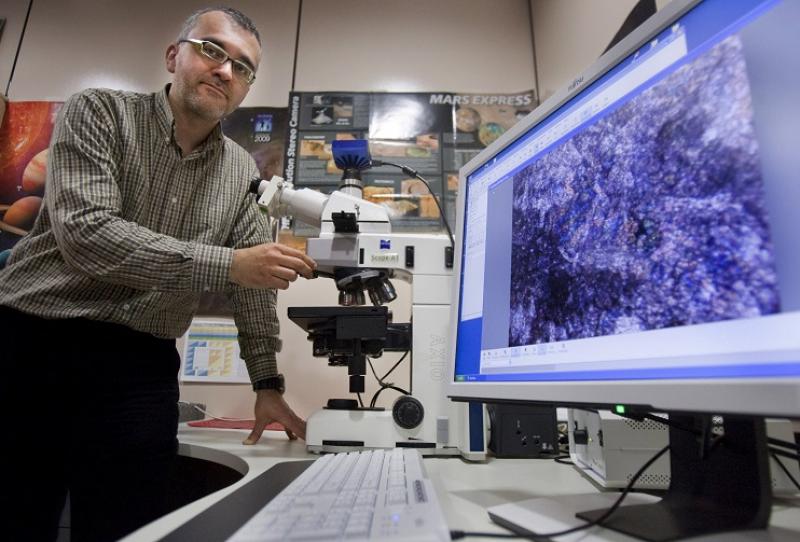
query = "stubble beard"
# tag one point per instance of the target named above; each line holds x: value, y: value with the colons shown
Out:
x: 204, y: 107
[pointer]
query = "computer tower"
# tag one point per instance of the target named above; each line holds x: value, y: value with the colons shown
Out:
x: 522, y: 430
x: 609, y: 449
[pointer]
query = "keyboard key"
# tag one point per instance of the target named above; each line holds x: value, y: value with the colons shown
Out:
x: 396, y: 496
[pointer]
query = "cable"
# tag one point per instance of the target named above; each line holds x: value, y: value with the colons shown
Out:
x: 297, y: 42
x: 783, y: 453
x: 19, y: 47
x: 381, y: 380
x: 408, y: 171
x: 360, y: 402
x: 393, y: 367
x: 560, y: 459
x: 385, y: 387
x: 785, y: 470
x: 783, y: 443
x: 223, y: 418
x: 456, y: 535
x: 661, y: 420
x: 369, y: 361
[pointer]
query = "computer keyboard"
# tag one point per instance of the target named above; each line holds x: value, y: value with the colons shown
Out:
x: 369, y: 495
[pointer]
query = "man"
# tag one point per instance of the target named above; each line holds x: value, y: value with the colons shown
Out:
x: 146, y: 207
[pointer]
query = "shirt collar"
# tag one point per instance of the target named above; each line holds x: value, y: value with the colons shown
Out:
x: 164, y: 117
x: 166, y: 123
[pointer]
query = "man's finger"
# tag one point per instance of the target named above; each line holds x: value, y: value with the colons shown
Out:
x: 297, y: 426
x: 284, y: 273
x: 289, y: 251
x: 309, y: 261
x: 297, y: 264
x: 279, y: 283
x: 255, y: 434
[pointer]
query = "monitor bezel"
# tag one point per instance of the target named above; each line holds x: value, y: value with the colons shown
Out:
x: 762, y: 396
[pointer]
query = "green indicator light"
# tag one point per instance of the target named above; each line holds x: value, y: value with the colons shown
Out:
x: 619, y: 409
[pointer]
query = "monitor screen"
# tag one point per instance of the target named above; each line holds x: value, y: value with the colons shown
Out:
x: 635, y: 238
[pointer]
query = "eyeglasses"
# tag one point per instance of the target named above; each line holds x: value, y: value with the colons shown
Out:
x: 220, y: 56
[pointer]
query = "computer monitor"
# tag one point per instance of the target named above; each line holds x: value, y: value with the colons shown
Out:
x: 633, y: 242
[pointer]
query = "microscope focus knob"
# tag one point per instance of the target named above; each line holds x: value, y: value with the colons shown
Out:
x: 408, y: 412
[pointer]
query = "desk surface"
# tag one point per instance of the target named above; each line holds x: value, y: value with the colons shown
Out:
x: 465, y: 489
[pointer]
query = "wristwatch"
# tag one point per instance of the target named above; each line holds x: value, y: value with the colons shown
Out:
x: 271, y: 383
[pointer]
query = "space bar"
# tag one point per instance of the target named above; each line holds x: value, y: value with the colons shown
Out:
x: 315, y: 534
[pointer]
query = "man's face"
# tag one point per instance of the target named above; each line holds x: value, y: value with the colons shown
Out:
x: 201, y: 86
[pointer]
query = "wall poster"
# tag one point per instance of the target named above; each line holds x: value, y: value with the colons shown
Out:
x: 24, y: 138
x: 433, y: 133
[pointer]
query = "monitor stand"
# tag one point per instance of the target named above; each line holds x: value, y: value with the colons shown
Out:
x: 713, y: 488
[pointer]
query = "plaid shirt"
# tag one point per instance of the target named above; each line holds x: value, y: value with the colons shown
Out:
x: 132, y: 233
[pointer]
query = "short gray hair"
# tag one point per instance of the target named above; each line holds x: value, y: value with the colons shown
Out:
x: 237, y: 16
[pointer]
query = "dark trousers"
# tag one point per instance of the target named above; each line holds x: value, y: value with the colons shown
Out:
x: 88, y: 408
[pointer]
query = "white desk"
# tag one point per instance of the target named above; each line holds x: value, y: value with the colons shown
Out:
x: 465, y: 490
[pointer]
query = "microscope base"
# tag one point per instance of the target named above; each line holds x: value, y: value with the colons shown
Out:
x: 330, y: 431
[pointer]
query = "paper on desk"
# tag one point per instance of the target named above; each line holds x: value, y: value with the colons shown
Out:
x: 234, y: 424
x: 211, y: 353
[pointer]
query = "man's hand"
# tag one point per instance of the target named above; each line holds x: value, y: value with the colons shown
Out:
x: 270, y: 407
x: 270, y: 265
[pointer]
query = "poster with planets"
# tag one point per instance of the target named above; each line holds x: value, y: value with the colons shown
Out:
x: 24, y: 137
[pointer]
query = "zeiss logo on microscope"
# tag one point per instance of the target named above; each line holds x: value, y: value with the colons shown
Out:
x: 386, y: 244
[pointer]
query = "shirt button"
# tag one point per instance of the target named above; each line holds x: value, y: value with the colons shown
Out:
x: 126, y: 307
x: 174, y: 200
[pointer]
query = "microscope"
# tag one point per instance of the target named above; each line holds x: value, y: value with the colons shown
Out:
x: 358, y: 250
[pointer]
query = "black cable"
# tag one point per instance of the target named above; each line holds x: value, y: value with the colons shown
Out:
x: 381, y: 382
x: 783, y: 443
x: 456, y: 535
x: 560, y: 459
x: 369, y: 362
x: 408, y: 171
x: 386, y: 387
x: 360, y: 402
x: 661, y: 420
x: 297, y: 42
x: 19, y: 47
x: 394, y: 366
x: 785, y: 470
x: 380, y: 379
x: 783, y: 453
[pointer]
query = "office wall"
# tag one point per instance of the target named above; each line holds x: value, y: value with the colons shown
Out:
x: 571, y: 34
x: 70, y: 45
x: 14, y: 13
x: 414, y: 45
